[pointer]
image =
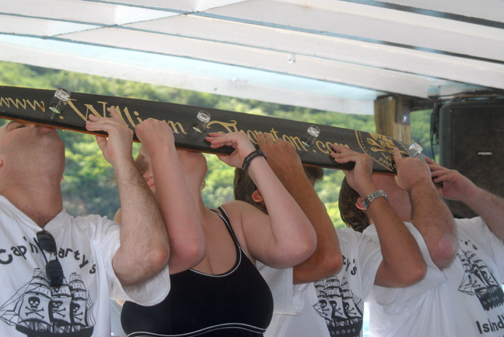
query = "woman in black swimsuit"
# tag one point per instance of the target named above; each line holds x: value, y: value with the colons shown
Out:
x: 222, y: 293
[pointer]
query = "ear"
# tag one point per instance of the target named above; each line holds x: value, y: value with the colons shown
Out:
x: 117, y: 217
x: 257, y: 196
x: 62, y: 177
x: 149, y: 180
x: 360, y: 204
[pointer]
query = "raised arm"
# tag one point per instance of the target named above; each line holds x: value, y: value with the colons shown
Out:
x: 429, y: 214
x: 402, y: 263
x: 284, y: 238
x: 455, y: 186
x: 144, y: 247
x: 287, y: 166
x: 187, y: 242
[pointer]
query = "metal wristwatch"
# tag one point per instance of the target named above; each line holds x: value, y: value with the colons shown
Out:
x: 373, y: 196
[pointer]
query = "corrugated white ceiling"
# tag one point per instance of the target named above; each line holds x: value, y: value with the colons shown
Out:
x: 324, y: 54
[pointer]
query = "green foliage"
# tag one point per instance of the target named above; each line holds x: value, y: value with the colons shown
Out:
x: 420, y: 130
x: 89, y: 185
x: 218, y: 183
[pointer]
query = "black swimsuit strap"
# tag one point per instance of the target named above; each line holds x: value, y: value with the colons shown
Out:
x: 223, y: 215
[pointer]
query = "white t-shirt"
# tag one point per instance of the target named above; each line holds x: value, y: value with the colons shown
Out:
x: 85, y: 247
x: 465, y: 299
x: 333, y: 306
x: 115, y: 319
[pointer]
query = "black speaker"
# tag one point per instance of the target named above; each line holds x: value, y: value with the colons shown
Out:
x: 471, y: 140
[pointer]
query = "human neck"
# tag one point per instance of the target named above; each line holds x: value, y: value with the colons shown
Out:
x: 40, y: 203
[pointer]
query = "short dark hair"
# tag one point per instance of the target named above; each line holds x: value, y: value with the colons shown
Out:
x: 244, y: 186
x: 313, y: 172
x: 350, y: 214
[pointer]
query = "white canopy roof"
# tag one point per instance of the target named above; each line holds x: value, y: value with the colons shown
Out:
x: 323, y: 54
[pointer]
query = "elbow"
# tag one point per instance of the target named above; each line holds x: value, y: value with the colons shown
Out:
x: 157, y: 259
x: 185, y: 256
x: 405, y: 277
x: 333, y: 264
x: 445, y: 252
x: 300, y: 255
x: 315, y: 269
x: 442, y: 262
x: 134, y: 268
x: 198, y: 254
x: 295, y: 254
x: 306, y: 248
x: 329, y: 264
x: 192, y: 254
x: 415, y: 274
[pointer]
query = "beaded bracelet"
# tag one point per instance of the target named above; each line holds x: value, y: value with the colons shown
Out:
x: 252, y: 155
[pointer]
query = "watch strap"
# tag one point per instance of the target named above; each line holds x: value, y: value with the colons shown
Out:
x: 250, y: 157
x: 373, y: 196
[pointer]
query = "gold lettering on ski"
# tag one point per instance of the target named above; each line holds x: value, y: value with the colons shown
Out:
x: 327, y: 147
x: 274, y: 133
x: 136, y: 113
x: 177, y: 127
x: 322, y: 147
x: 230, y: 127
x: 294, y: 141
x: 90, y: 107
x: 126, y: 112
x: 17, y: 102
x: 252, y: 134
x: 74, y: 108
x: 118, y: 110
x: 40, y: 105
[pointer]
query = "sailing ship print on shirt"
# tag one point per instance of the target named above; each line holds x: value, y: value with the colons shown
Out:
x: 478, y: 278
x: 342, y: 310
x: 39, y: 310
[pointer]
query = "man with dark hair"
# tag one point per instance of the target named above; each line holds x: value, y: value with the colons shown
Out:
x: 324, y: 296
x: 352, y: 216
x: 458, y: 297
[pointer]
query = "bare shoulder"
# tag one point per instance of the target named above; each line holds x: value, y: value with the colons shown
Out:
x: 238, y: 206
x: 235, y: 210
x: 242, y: 211
x: 244, y: 216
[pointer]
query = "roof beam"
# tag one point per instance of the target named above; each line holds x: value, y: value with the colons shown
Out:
x: 382, y: 56
x: 179, y: 5
x: 39, y: 27
x: 98, y: 61
x: 269, y: 60
x: 76, y: 11
x: 380, y: 25
x: 481, y: 9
